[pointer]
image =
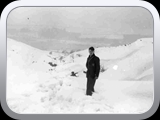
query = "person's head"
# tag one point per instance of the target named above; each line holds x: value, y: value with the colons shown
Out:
x: 91, y: 50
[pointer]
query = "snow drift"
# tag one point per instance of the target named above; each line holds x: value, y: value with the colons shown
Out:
x: 41, y: 81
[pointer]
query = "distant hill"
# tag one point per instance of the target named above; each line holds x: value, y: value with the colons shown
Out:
x: 52, y: 38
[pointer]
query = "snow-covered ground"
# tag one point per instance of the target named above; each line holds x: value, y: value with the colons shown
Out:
x: 41, y: 82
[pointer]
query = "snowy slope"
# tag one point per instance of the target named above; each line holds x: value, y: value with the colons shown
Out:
x: 26, y: 65
x: 124, y: 86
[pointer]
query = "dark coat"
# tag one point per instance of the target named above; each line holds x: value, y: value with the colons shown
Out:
x: 93, y: 66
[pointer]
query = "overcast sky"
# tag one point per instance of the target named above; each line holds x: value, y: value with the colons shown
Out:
x: 86, y: 19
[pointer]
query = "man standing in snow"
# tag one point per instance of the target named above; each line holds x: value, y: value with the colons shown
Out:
x: 93, y: 68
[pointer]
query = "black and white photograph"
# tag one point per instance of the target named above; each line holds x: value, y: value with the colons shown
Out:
x: 80, y: 60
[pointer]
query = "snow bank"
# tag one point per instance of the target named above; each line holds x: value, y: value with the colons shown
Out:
x: 125, y: 84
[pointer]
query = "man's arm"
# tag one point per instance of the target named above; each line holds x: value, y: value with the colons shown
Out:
x: 97, y: 67
x: 86, y: 63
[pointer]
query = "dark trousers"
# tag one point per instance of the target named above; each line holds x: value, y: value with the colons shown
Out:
x: 90, y: 85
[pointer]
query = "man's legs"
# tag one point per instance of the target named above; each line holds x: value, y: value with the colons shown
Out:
x: 94, y: 80
x: 89, y: 86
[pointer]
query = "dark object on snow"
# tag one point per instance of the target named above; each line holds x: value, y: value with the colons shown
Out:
x: 51, y: 64
x: 34, y: 61
x: 79, y: 55
x: 50, y: 69
x: 73, y: 74
x: 102, y: 69
x: 93, y: 69
x: 50, y: 52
